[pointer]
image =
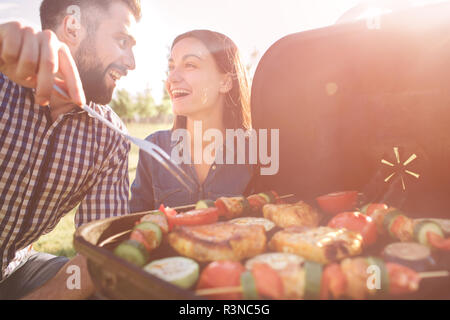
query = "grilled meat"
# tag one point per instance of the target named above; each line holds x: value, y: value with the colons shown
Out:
x: 219, y: 241
x: 322, y: 245
x: 299, y: 214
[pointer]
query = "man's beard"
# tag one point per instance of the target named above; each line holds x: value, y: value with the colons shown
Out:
x: 92, y: 73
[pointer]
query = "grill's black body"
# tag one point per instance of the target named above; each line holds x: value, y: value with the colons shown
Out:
x: 345, y: 96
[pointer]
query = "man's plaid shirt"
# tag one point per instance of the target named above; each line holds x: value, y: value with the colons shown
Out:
x: 48, y: 168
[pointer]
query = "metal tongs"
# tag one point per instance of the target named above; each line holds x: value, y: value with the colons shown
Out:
x: 152, y: 149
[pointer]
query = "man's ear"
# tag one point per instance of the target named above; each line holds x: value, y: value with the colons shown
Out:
x: 227, y: 84
x: 71, y: 31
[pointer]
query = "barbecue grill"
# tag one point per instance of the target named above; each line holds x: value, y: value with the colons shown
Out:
x: 361, y: 108
x: 358, y: 108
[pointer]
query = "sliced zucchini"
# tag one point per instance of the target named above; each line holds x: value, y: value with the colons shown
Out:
x: 133, y: 252
x: 313, y: 278
x: 146, y: 225
x: 159, y: 219
x: 421, y: 229
x: 180, y: 271
x: 204, y: 204
x: 443, y: 223
x: 150, y: 226
x: 249, y: 291
x: 384, y: 283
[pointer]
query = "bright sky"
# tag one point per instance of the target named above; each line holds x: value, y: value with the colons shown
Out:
x: 251, y: 24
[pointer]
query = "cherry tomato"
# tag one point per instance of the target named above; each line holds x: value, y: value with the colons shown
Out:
x: 334, y: 203
x: 219, y: 274
x: 268, y: 282
x: 402, y: 280
x: 438, y: 242
x: 356, y: 221
x: 333, y: 280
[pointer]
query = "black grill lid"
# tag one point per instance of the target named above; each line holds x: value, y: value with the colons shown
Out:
x: 355, y: 104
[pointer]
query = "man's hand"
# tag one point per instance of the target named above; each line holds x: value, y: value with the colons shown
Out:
x: 36, y: 60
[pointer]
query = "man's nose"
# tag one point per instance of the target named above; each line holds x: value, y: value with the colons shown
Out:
x: 129, y: 61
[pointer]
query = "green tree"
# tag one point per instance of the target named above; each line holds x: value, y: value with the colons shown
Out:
x: 165, y: 107
x: 145, y: 106
x: 123, y: 104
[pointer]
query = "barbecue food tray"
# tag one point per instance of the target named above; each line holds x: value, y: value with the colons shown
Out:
x: 116, y: 278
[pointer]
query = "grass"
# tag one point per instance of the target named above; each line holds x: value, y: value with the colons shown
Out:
x: 59, y: 241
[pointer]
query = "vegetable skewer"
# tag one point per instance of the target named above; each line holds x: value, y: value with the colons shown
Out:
x: 399, y: 226
x: 207, y: 211
x: 241, y: 289
x: 230, y: 280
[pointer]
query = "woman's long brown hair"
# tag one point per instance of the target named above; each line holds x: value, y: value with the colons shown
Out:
x: 236, y: 114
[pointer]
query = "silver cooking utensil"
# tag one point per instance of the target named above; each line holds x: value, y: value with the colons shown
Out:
x: 152, y: 149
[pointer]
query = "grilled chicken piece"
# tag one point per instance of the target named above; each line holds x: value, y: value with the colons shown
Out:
x: 299, y: 214
x: 219, y: 241
x: 322, y: 245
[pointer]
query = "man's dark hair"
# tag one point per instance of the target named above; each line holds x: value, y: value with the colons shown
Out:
x: 52, y: 11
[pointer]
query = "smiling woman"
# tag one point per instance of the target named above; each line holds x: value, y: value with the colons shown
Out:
x: 206, y: 83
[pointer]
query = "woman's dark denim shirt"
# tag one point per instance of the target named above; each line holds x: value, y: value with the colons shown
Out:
x: 154, y: 185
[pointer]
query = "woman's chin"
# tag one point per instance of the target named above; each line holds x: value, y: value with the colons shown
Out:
x: 192, y: 112
x: 179, y: 113
x: 180, y: 110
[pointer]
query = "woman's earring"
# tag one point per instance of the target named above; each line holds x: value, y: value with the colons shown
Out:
x: 231, y: 98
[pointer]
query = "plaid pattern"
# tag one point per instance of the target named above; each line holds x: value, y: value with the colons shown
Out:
x: 47, y: 169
